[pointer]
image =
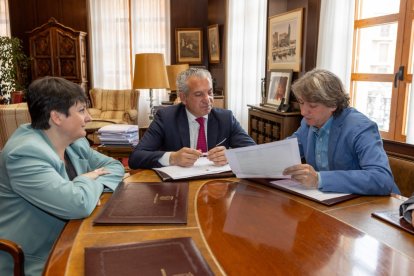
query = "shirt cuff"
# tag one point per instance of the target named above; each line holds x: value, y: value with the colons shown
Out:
x: 319, y: 180
x: 165, y: 159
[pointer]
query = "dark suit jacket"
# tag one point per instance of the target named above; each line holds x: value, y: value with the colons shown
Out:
x: 170, y: 132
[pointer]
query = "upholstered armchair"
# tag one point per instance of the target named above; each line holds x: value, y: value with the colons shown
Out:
x: 117, y: 106
x: 11, y: 117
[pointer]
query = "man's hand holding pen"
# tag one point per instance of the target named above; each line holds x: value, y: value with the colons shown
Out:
x: 217, y: 154
x: 186, y: 157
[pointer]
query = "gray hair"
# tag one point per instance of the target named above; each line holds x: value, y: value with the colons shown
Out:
x: 183, y: 77
x: 322, y: 86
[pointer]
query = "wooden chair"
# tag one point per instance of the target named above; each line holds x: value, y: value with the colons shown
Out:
x: 16, y: 252
x: 401, y: 158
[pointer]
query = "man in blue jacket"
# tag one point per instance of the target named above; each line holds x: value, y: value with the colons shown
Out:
x: 173, y: 138
x: 342, y: 147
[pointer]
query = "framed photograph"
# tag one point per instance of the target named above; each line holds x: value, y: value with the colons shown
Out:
x: 278, y: 88
x: 189, y: 45
x: 285, y: 41
x: 213, y: 44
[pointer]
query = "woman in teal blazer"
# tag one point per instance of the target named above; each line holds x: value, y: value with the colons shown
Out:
x: 48, y: 172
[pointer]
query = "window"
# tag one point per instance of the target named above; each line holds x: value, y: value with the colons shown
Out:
x: 119, y: 30
x: 4, y: 18
x: 382, y: 48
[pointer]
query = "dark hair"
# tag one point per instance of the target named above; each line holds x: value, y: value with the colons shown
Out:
x: 322, y: 86
x: 51, y: 93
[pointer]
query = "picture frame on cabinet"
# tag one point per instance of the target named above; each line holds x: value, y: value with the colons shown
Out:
x: 285, y: 40
x: 278, y: 89
x: 189, y: 45
x: 213, y: 40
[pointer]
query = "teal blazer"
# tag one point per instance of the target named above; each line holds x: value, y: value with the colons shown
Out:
x: 37, y: 198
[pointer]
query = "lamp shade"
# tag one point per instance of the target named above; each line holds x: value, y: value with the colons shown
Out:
x: 150, y: 71
x: 172, y: 72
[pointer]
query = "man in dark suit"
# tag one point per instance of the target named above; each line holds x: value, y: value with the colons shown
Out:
x: 406, y: 210
x: 173, y: 137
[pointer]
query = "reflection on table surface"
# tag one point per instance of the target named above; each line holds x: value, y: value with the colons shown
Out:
x: 243, y: 228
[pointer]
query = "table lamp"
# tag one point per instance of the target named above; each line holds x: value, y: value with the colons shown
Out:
x: 172, y: 72
x: 150, y: 73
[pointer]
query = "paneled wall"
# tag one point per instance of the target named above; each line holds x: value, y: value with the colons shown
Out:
x: 26, y: 15
x: 217, y: 15
x: 189, y: 14
x: 310, y: 27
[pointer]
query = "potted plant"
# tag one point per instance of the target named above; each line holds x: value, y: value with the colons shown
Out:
x: 13, y: 68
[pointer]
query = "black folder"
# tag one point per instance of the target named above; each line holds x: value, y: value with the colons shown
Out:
x: 146, y: 203
x: 393, y: 217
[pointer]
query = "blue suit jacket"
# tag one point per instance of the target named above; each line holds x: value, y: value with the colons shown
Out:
x: 37, y: 197
x: 170, y: 132
x: 358, y: 163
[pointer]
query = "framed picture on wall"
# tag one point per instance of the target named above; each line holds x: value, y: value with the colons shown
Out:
x: 278, y: 89
x: 284, y: 48
x: 189, y: 45
x: 213, y: 44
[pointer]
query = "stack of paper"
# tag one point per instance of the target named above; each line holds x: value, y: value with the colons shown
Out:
x: 119, y: 134
x: 264, y: 160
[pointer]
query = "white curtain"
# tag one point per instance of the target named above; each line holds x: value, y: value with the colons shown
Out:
x: 335, y: 38
x: 109, y: 36
x: 119, y: 30
x: 246, y: 51
x: 4, y: 18
x: 150, y: 34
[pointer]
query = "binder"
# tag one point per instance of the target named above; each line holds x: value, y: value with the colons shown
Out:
x: 166, y: 177
x: 146, y: 203
x: 177, y: 256
x: 393, y: 217
x: 327, y: 202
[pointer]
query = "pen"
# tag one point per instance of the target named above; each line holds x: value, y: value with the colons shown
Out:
x: 204, y: 154
x: 224, y: 140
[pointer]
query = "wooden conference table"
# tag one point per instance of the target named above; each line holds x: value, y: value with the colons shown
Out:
x: 243, y: 228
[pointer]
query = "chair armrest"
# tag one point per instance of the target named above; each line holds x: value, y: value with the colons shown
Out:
x: 16, y: 252
x: 131, y: 116
x: 94, y: 112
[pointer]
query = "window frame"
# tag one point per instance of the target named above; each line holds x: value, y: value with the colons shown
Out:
x: 403, y: 57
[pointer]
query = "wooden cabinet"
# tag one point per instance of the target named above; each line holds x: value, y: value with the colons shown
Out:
x: 267, y: 125
x: 219, y: 102
x: 57, y: 50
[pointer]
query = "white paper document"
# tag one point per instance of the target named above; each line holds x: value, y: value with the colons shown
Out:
x: 202, y: 166
x: 118, y: 128
x: 309, y: 192
x: 265, y: 160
